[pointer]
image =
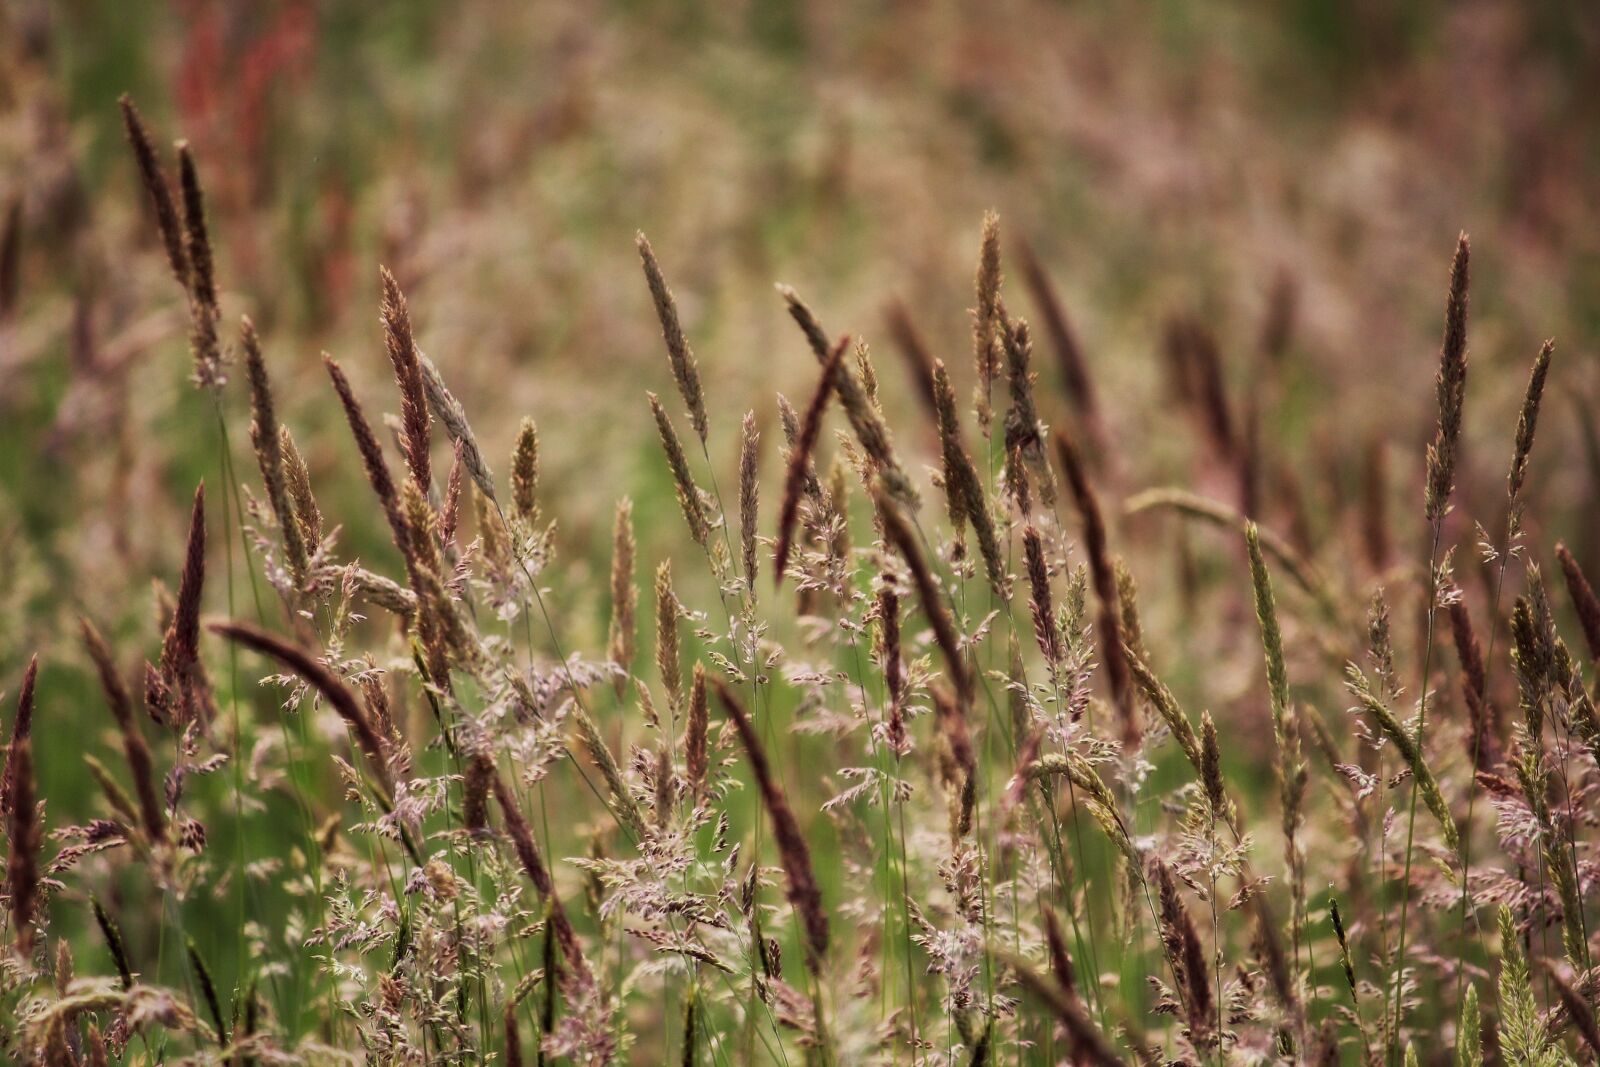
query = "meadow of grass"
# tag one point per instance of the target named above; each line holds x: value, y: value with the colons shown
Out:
x: 1057, y: 548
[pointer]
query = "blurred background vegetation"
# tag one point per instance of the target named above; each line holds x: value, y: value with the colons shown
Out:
x: 1195, y: 158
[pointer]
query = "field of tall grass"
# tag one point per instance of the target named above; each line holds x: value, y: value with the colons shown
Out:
x: 1071, y: 540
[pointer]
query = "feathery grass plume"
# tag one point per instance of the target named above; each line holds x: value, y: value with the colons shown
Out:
x: 749, y: 496
x: 402, y: 350
x: 134, y: 748
x: 621, y: 803
x: 694, y: 512
x: 448, y: 410
x: 25, y: 837
x: 333, y: 689
x: 155, y: 184
x: 1524, y: 1037
x: 180, y: 647
x: 904, y: 540
x: 865, y: 418
x: 1103, y: 574
x: 269, y: 451
x: 525, y: 473
x: 1474, y: 685
x: 450, y: 513
x: 624, y: 594
x: 795, y: 854
x: 371, y: 457
x: 684, y: 370
x: 667, y: 661
x: 963, y: 488
x: 21, y: 730
x: 1577, y: 1005
x: 1584, y: 602
x: 533, y: 865
x: 800, y: 457
x: 1159, y: 697
x: 1045, y: 629
x: 307, y: 515
x: 986, y: 316
x: 204, y: 312
x: 913, y: 349
x: 1074, y: 368
x: 1088, y: 1041
x: 1181, y: 940
x: 1451, y: 389
x: 1406, y: 744
x: 696, y: 749
x: 1469, y: 1031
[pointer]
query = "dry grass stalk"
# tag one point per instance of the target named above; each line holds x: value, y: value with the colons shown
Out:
x: 795, y: 854
x: 324, y: 681
x: 684, y: 369
x: 800, y: 457
x: 448, y: 410
x: 1103, y: 574
x: 1088, y: 1042
x: 134, y: 748
x: 533, y: 865
x: 904, y: 539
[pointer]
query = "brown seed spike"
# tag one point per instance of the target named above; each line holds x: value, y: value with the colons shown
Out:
x: 913, y: 350
x: 320, y: 678
x: 371, y: 456
x: 21, y: 730
x: 180, y: 648
x: 1103, y: 573
x: 1451, y: 388
x: 684, y: 369
x: 408, y: 376
x: 134, y: 748
x: 800, y: 457
x: 1584, y: 601
x: 25, y: 837
x: 1070, y: 359
x: 268, y: 444
x: 204, y: 312
x: 155, y: 183
x: 904, y: 540
x: 804, y: 895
